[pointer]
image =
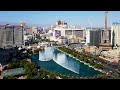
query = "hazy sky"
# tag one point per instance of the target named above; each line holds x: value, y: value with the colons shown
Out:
x: 83, y: 18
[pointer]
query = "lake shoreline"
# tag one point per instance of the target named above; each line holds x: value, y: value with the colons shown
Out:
x: 82, y: 62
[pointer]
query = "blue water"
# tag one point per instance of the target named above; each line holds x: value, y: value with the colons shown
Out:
x: 62, y: 63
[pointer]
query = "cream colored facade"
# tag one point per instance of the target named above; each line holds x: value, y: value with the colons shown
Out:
x: 74, y: 35
x: 115, y: 29
x: 91, y: 49
x: 34, y: 29
x: 111, y: 55
x: 79, y: 49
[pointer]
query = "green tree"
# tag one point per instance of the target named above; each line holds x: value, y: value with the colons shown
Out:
x: 38, y: 36
x: 23, y: 62
x: 91, y: 62
x: 28, y: 71
x: 83, y: 50
x: 9, y: 77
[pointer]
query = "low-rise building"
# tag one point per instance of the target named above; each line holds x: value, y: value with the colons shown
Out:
x: 76, y: 46
x: 13, y: 72
x: 79, y: 49
x: 44, y: 36
x: 22, y: 77
x: 111, y: 55
x: 91, y: 49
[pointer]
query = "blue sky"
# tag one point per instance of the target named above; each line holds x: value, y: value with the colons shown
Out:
x: 82, y: 18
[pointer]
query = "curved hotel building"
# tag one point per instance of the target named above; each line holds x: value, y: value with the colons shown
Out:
x: 63, y: 33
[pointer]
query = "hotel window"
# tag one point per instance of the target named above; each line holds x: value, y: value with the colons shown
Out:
x: 78, y: 33
x: 9, y: 33
x: 68, y: 32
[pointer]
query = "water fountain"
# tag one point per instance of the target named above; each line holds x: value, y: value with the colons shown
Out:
x: 62, y: 60
x: 46, y: 55
x: 52, y: 59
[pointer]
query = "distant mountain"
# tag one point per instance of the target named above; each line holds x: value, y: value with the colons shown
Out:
x: 28, y: 24
x: 7, y: 22
x: 40, y: 25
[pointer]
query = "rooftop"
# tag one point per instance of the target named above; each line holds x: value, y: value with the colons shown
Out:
x: 13, y: 72
x: 116, y: 23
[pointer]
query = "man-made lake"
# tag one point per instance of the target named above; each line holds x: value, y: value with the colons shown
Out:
x: 56, y: 61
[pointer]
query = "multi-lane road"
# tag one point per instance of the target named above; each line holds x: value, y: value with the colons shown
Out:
x: 108, y: 67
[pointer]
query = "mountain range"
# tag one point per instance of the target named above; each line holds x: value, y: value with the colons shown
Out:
x: 39, y: 25
x: 28, y: 24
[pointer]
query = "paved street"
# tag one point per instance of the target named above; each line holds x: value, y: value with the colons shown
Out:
x: 112, y: 69
x: 109, y: 67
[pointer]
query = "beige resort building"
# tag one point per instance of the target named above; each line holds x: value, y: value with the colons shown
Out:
x: 61, y: 31
x: 111, y: 55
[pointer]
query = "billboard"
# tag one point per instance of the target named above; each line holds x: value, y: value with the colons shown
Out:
x: 57, y: 33
x: 51, y: 34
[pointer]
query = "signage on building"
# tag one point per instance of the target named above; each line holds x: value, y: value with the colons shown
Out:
x: 51, y: 34
x: 57, y: 33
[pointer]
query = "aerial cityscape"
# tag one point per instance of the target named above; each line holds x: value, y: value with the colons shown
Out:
x: 59, y: 45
